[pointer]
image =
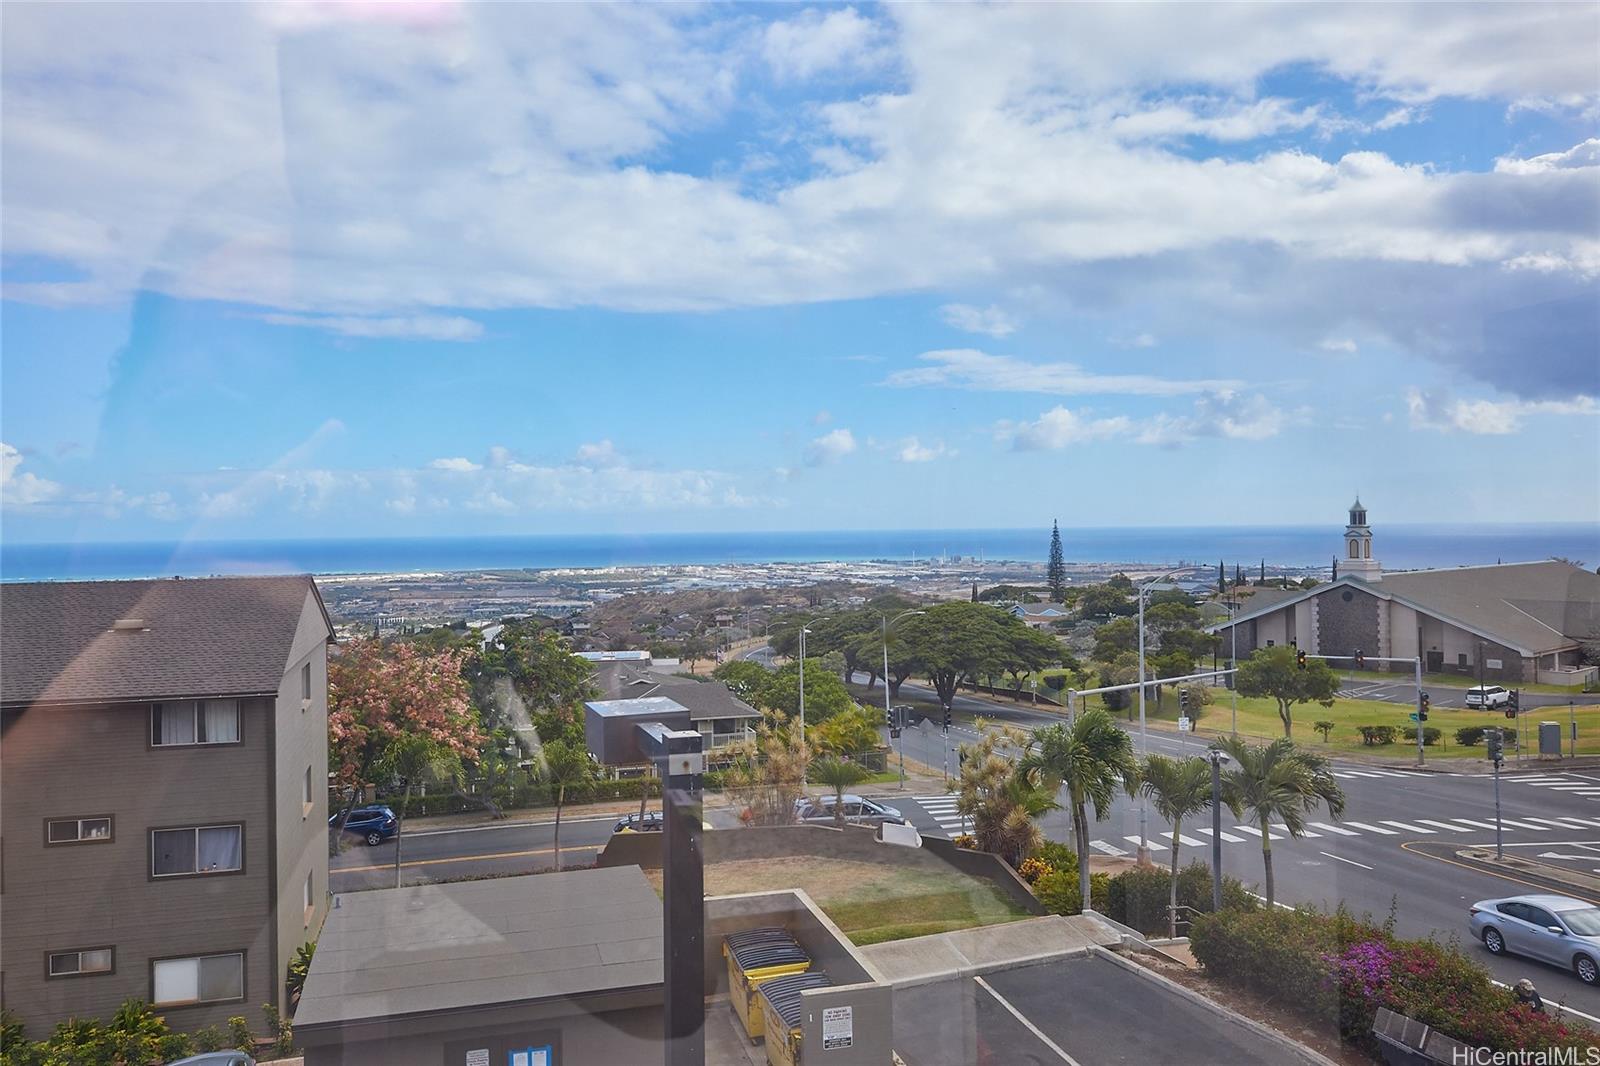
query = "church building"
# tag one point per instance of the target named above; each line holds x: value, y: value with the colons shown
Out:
x: 1525, y: 621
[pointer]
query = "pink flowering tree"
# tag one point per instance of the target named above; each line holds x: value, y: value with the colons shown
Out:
x: 380, y: 694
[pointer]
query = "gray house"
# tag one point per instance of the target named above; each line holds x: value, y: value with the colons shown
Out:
x: 163, y: 822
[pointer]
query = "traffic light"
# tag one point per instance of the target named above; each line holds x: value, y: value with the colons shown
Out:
x: 947, y: 719
x: 1300, y: 659
x: 1422, y: 708
x: 1516, y: 701
x: 1183, y: 702
x: 1361, y: 659
x: 1492, y: 737
x: 888, y: 717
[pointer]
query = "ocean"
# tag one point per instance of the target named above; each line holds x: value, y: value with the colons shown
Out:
x: 1397, y: 546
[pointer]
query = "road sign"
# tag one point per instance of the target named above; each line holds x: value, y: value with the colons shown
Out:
x: 1412, y: 716
x: 1185, y: 724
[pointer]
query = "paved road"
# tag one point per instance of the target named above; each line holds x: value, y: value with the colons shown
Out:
x: 1405, y: 692
x: 441, y: 854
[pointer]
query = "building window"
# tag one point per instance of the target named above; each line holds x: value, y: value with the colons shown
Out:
x: 305, y: 681
x: 1366, y: 550
x: 95, y: 830
x: 310, y: 897
x: 1461, y: 659
x: 529, y: 1056
x: 211, y: 849
x: 199, y: 979
x: 305, y: 789
x: 1355, y: 549
x: 82, y: 963
x: 187, y: 723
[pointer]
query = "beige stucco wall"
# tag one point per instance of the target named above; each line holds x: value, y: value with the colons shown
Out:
x: 1402, y: 631
x: 301, y: 848
x: 58, y: 762
x: 1273, y: 627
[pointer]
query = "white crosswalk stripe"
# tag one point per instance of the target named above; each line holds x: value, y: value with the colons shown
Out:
x: 1445, y: 825
x: 1521, y: 825
x: 1341, y: 830
x: 1372, y: 828
x: 1546, y: 821
x: 1224, y: 834
x: 1109, y: 849
x: 1580, y: 821
x: 1407, y: 828
x: 1151, y: 844
x: 1474, y: 823
x: 1189, y: 840
x: 1253, y: 831
x: 1285, y: 831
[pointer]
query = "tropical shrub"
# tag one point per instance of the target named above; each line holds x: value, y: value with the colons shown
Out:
x: 1058, y: 891
x: 1138, y: 897
x: 1430, y: 735
x: 1373, y: 735
x: 1469, y: 736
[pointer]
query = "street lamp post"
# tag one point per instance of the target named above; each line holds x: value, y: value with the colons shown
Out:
x: 1217, y: 758
x: 888, y: 712
x: 1143, y: 857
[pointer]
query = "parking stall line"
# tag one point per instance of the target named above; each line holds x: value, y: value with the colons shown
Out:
x: 1020, y: 1017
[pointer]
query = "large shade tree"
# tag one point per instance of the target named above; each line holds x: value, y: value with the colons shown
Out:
x: 1277, y: 786
x: 380, y: 693
x: 951, y: 642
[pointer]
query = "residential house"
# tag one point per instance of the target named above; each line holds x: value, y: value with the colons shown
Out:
x: 163, y: 822
x: 720, y: 716
x: 1040, y: 615
x: 1509, y: 623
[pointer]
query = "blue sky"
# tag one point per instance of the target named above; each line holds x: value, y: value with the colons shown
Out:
x: 438, y: 268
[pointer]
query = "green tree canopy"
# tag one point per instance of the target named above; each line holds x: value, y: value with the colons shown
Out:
x: 826, y: 695
x: 1056, y: 570
x: 1093, y: 760
x: 744, y: 678
x: 1274, y: 672
x: 957, y: 640
x: 1115, y: 638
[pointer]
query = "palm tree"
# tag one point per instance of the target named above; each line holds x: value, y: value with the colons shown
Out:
x: 838, y: 774
x: 1093, y: 759
x: 414, y: 758
x: 564, y: 765
x: 1279, y: 782
x: 1177, y: 788
x: 1001, y: 799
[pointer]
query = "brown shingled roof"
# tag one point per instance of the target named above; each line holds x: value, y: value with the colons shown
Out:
x: 226, y: 636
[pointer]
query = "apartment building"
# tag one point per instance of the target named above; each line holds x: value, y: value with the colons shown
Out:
x: 163, y: 794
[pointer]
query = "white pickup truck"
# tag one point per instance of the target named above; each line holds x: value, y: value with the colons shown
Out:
x: 1488, y: 696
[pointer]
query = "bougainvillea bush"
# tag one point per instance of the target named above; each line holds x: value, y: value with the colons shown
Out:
x: 1338, y: 969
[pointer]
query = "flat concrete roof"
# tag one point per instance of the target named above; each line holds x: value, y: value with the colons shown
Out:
x: 427, y: 948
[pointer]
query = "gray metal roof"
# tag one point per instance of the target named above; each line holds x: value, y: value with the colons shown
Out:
x: 702, y: 699
x: 223, y: 636
x: 509, y: 940
x: 1533, y: 607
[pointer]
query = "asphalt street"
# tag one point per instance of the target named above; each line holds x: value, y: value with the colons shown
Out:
x: 442, y: 854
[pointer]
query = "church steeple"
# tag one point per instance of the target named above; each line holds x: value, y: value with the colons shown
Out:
x: 1358, y: 560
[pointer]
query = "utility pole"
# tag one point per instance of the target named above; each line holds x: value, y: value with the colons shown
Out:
x: 1217, y: 759
x: 1572, y: 717
x: 1420, y: 755
x: 1143, y: 857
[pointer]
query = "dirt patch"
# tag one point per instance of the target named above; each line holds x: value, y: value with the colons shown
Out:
x: 1324, y: 1040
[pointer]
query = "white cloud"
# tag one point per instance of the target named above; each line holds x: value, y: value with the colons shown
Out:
x: 599, y: 453
x: 458, y: 464
x: 1444, y: 413
x: 408, y: 327
x: 821, y: 418
x: 1584, y: 154
x: 973, y: 369
x: 1225, y: 414
x: 991, y: 320
x: 1400, y: 116
x: 20, y: 488
x: 1060, y: 427
x: 1219, y: 120
x: 817, y: 41
x: 1338, y: 345
x: 913, y: 450
x: 830, y: 447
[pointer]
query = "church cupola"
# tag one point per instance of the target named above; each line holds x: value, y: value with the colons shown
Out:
x: 1358, y: 561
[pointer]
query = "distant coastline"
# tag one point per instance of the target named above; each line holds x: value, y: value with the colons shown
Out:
x: 1399, y: 547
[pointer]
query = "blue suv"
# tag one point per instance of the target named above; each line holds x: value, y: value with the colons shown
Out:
x: 376, y: 824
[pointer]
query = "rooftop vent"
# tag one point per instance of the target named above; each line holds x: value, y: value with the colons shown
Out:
x: 129, y: 625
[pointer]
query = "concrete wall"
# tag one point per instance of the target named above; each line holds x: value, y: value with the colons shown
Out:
x: 1454, y: 642
x: 621, y: 1029
x: 1402, y: 631
x: 60, y: 762
x: 1273, y: 627
x: 854, y: 842
x: 300, y: 742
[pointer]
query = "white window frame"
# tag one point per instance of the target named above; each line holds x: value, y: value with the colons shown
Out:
x: 305, y: 681
x: 195, y: 829
x: 194, y: 707
x: 78, y: 971
x: 111, y: 830
x: 197, y: 959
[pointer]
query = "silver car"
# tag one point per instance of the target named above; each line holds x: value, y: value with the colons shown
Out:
x: 1556, y: 929
x: 857, y: 811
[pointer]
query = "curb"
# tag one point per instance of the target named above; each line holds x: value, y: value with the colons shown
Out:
x: 1480, y: 856
x: 1293, y: 1047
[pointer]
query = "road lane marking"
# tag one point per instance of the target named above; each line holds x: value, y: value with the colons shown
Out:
x: 462, y: 858
x: 1191, y: 841
x: 1546, y: 821
x: 1341, y: 830
x: 1445, y: 825
x: 1108, y: 849
x: 1522, y: 825
x: 1407, y: 828
x: 1374, y: 828
x: 1026, y: 1024
x: 1586, y: 822
x: 1224, y: 834
x: 1151, y: 844
x: 1341, y: 858
x: 1253, y: 831
x: 1475, y: 824
x: 1303, y: 832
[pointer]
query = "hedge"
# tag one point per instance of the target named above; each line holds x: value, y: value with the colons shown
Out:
x: 1373, y: 735
x: 1469, y: 736
x: 1138, y: 897
x: 1337, y: 968
x: 1430, y: 735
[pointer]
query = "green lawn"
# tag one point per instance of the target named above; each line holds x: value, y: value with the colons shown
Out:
x: 870, y: 902
x: 1258, y: 718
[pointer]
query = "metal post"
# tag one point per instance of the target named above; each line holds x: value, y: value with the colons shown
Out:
x: 1233, y: 664
x: 1143, y: 856
x: 1572, y: 744
x: 1499, y: 849
x: 1216, y: 832
x: 1420, y: 756
x: 1072, y: 705
x: 683, y: 902
x: 802, y: 684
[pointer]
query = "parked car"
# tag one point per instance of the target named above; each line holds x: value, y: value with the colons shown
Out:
x: 857, y: 811
x: 1488, y: 696
x: 375, y: 824
x: 216, y: 1058
x: 632, y: 823
x: 1560, y: 930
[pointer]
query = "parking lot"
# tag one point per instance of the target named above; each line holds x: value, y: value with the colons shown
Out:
x: 1089, y: 1010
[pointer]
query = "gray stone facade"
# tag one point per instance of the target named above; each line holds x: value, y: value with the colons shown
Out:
x: 1347, y: 620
